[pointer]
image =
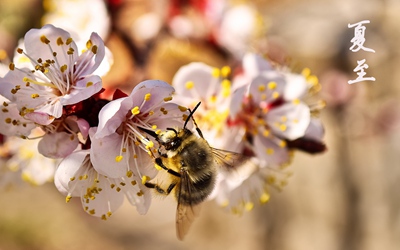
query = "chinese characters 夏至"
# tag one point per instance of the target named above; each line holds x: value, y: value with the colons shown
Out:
x: 358, y: 43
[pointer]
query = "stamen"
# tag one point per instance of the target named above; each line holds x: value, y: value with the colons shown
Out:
x: 44, y: 39
x: 189, y: 85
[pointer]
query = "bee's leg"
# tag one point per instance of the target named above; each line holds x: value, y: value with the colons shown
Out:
x: 159, y: 189
x: 170, y: 171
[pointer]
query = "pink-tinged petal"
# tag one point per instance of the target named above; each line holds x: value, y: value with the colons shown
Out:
x: 140, y: 197
x: 271, y: 150
x: 237, y: 101
x: 105, y: 200
x: 195, y: 80
x: 290, y: 120
x: 85, y: 88
x: 40, y: 118
x: 254, y: 64
x: 267, y: 87
x: 90, y: 60
x: 104, y: 152
x: 83, y: 127
x: 36, y: 47
x: 11, y: 123
x: 77, y: 125
x: 296, y: 87
x: 315, y: 130
x: 58, y: 145
x: 112, y: 115
x: 67, y: 170
x: 9, y: 82
x: 158, y: 90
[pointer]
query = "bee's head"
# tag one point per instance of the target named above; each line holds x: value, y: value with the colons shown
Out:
x: 170, y: 139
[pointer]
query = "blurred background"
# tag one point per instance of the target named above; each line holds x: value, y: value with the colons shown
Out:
x: 344, y: 199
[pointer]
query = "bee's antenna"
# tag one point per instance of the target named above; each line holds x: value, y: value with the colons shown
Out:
x: 191, y: 116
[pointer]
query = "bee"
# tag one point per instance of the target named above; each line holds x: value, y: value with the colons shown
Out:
x: 192, y: 165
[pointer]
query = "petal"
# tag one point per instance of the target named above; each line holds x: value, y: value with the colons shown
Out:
x: 11, y: 123
x: 9, y: 82
x: 289, y: 120
x: 83, y: 89
x: 112, y: 115
x: 271, y: 150
x: 58, y: 145
x: 296, y: 86
x: 315, y: 130
x: 90, y: 60
x: 103, y: 155
x: 195, y: 80
x: 254, y: 64
x: 36, y: 49
x: 40, y: 118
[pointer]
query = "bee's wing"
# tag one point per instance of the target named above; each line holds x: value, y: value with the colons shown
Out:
x: 229, y: 160
x: 185, y: 214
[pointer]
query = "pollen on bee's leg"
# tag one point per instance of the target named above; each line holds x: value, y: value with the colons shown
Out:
x: 145, y: 179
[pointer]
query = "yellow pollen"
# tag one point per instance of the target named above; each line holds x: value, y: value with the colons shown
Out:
x: 88, y: 84
x: 158, y: 167
x: 103, y: 217
x: 68, y: 198
x: 272, y: 85
x: 44, y: 39
x: 296, y: 101
x: 3, y: 54
x: 269, y: 151
x: 275, y: 95
x: 213, y: 98
x: 89, y: 44
x: 151, y: 112
x: 283, y: 127
x: 306, y: 72
x: 154, y: 127
x: 225, y: 71
x: 266, y: 133
x: 63, y: 68
x: 11, y: 66
x: 182, y: 109
x: 119, y: 158
x: 249, y: 206
x: 135, y: 110
x: 226, y: 83
x: 261, y: 87
x: 109, y: 214
x: 189, y: 85
x: 129, y: 173
x: 34, y: 96
x: 69, y: 41
x: 313, y: 80
x: 94, y: 49
x: 147, y: 96
x: 264, y: 198
x: 149, y: 145
x: 158, y: 131
x: 216, y: 72
x: 167, y: 99
x: 145, y: 179
x: 59, y: 41
x: 92, y: 212
x: 282, y: 144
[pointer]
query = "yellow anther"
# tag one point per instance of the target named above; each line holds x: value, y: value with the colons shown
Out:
x: 261, y: 87
x: 118, y: 189
x: 59, y: 41
x: 225, y: 203
x: 123, y: 150
x: 72, y: 178
x: 44, y: 39
x: 129, y: 173
x: 306, y: 72
x: 135, y: 110
x: 154, y: 127
x: 182, y: 109
x: 275, y: 95
x: 63, y: 68
x: 34, y: 96
x: 92, y: 212
x: 266, y: 133
x: 88, y: 84
x: 272, y: 85
x: 313, y: 80
x: 109, y: 213
x: 296, y: 101
x: 133, y: 183
x: 68, y: 198
x: 147, y: 97
x: 3, y: 54
x: 225, y: 71
x: 226, y: 83
x: 94, y: 49
x: 269, y: 151
x: 11, y: 66
x: 158, y: 167
x: 89, y: 44
x: 119, y: 158
x: 282, y: 144
x: 145, y: 179
x: 189, y: 85
x: 149, y: 145
x: 264, y: 198
x: 283, y: 127
x: 167, y: 99
x: 103, y: 217
x: 249, y: 206
x: 216, y: 72
x: 20, y: 51
x: 69, y: 40
x: 140, y: 193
